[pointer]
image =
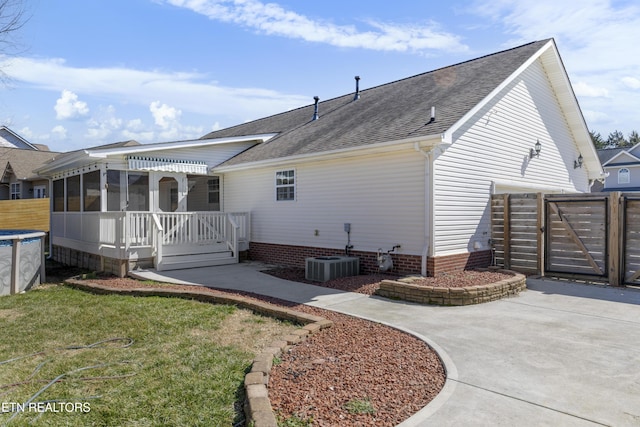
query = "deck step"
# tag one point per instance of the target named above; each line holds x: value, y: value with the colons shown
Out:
x: 178, y: 262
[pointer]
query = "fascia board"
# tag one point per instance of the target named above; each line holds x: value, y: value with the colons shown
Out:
x: 423, y: 142
x: 103, y: 153
x: 622, y: 153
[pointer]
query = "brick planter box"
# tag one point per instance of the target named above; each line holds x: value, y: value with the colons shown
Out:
x: 407, y: 291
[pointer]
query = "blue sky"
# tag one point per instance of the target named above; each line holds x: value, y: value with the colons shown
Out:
x: 94, y: 72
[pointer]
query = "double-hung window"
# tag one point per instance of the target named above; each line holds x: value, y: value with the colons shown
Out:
x: 15, y: 190
x: 286, y: 185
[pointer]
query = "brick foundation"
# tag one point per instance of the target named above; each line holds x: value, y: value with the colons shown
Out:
x: 402, y: 264
x: 292, y: 256
x: 439, y: 265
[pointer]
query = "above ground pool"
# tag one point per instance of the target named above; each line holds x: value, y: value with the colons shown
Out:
x: 21, y: 260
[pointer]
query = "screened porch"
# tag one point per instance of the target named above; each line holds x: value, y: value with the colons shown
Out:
x: 170, y: 218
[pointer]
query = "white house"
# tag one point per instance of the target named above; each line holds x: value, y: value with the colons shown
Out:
x: 408, y: 165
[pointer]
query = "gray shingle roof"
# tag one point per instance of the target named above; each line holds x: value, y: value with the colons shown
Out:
x: 607, y: 154
x: 390, y: 112
x: 23, y: 162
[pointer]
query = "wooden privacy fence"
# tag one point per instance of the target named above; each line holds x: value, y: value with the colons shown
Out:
x: 24, y: 214
x: 569, y: 235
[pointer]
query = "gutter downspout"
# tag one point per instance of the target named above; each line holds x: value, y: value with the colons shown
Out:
x: 429, y: 190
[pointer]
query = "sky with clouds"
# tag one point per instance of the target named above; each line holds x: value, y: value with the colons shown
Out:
x: 85, y: 73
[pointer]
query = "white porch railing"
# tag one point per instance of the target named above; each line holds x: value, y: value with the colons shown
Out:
x: 126, y: 231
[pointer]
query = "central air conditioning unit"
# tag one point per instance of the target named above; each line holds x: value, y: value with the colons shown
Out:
x: 324, y: 268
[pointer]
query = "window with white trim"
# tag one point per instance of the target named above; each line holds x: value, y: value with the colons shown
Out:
x: 213, y: 190
x: 15, y: 190
x: 624, y: 176
x: 286, y: 185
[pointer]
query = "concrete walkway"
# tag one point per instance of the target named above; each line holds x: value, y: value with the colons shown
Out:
x: 560, y: 354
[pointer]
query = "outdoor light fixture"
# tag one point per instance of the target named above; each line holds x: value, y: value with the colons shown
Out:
x: 535, y: 152
x: 578, y: 163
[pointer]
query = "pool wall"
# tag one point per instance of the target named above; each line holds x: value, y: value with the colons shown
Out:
x: 21, y: 260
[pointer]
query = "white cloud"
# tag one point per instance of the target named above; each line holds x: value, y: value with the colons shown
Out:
x: 136, y: 130
x: 135, y: 125
x: 59, y: 132
x: 164, y: 115
x: 592, y: 34
x: 596, y: 117
x: 69, y: 107
x: 584, y: 89
x: 140, y: 87
x: 273, y: 19
x: 104, y: 125
x: 25, y: 132
x: 631, y: 82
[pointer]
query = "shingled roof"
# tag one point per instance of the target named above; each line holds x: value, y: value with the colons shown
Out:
x: 23, y: 162
x: 390, y: 112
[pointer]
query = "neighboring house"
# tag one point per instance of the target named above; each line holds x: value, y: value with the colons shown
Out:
x: 18, y: 160
x: 411, y: 163
x: 622, y: 169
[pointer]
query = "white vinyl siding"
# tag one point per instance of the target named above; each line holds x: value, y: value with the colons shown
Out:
x: 382, y: 196
x: 494, y: 146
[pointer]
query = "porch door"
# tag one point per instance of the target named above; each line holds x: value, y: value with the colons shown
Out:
x: 170, y: 191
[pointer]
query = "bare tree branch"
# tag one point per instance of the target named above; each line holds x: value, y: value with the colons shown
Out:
x: 12, y: 18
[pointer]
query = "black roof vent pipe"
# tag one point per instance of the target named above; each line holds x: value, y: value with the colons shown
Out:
x: 316, y: 116
x: 357, y: 95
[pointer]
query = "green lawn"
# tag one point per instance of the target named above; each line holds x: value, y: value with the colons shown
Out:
x: 162, y: 361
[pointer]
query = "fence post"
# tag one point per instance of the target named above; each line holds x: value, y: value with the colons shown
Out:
x: 541, y: 221
x: 15, y: 266
x: 614, y: 243
x: 507, y: 230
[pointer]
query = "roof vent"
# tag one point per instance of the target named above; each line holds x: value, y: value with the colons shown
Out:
x: 357, y: 95
x: 316, y: 116
x: 433, y: 115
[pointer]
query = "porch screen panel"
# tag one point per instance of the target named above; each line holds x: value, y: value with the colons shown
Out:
x: 204, y: 193
x: 58, y: 195
x: 114, y: 190
x: 138, y: 192
x: 73, y: 194
x: 91, y: 191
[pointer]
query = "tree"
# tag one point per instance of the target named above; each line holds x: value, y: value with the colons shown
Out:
x: 616, y: 140
x: 12, y: 19
x: 634, y: 138
x: 597, y: 140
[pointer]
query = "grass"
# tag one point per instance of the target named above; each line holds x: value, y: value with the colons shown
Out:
x: 360, y: 406
x: 158, y: 361
x: 295, y: 421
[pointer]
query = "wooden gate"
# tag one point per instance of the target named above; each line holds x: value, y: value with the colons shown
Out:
x: 587, y: 236
x: 631, y: 238
x: 576, y: 237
